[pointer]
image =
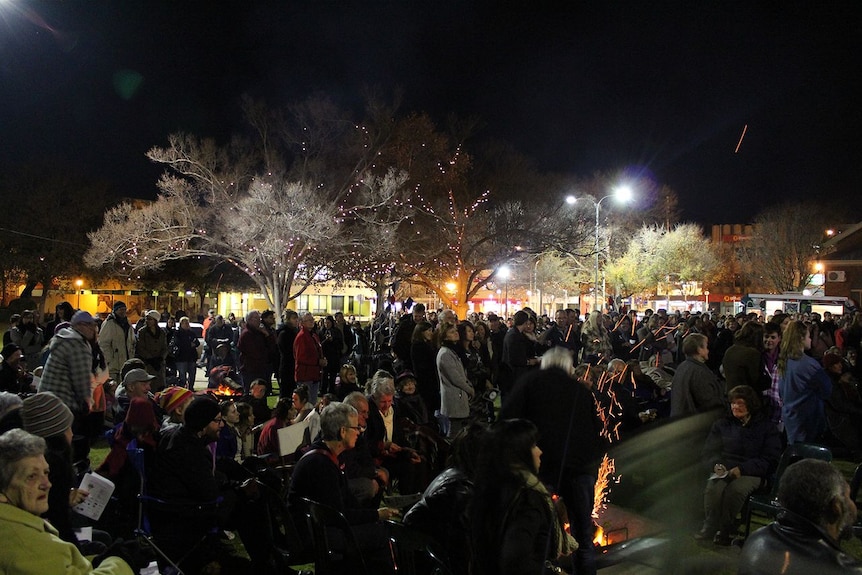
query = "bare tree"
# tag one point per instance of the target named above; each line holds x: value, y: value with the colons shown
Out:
x: 786, y: 241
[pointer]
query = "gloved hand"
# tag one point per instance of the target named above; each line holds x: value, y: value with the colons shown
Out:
x: 134, y: 555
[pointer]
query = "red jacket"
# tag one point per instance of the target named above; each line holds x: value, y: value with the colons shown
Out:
x: 307, y: 353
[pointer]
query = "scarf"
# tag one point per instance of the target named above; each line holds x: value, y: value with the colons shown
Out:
x: 564, y: 543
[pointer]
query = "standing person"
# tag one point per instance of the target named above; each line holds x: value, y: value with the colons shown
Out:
x: 29, y: 337
x: 331, y: 342
x: 286, y: 363
x: 403, y: 337
x: 152, y: 348
x: 14, y: 320
x: 267, y: 322
x: 515, y: 529
x: 742, y: 361
x: 185, y: 346
x: 308, y: 355
x: 254, y: 352
x: 696, y: 389
x: 117, y: 340
x: 456, y: 391
x: 516, y: 355
x: 63, y: 312
x: 423, y: 356
x: 804, y: 386
x: 570, y: 439
x: 596, y: 340
x: 69, y: 369
x: 771, y: 349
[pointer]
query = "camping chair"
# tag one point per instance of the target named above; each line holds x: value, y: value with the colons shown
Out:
x: 415, y: 552
x: 143, y: 531
x: 328, y: 528
x: 766, y: 504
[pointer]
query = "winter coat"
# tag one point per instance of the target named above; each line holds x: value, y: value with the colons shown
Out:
x: 117, y: 343
x: 455, y: 387
x: 69, y: 370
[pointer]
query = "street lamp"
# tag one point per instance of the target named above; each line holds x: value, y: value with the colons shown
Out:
x: 504, y: 273
x: 622, y: 194
x: 78, y: 283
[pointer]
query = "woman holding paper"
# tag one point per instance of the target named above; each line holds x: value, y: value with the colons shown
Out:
x: 741, y: 450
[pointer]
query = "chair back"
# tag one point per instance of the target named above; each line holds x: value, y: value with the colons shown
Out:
x: 414, y: 552
x: 335, y: 544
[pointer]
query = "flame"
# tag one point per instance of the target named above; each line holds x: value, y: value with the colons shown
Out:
x: 600, y: 498
x: 600, y: 538
x: 227, y: 390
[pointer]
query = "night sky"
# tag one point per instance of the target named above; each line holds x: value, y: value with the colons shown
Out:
x: 660, y: 88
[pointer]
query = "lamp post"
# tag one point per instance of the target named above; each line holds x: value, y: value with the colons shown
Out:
x: 78, y: 284
x: 504, y: 273
x: 622, y: 194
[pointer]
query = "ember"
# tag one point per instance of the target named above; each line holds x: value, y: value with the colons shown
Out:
x: 227, y: 390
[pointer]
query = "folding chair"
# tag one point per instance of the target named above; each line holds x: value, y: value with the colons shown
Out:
x: 415, y: 552
x: 766, y: 504
x: 143, y: 531
x: 336, y: 549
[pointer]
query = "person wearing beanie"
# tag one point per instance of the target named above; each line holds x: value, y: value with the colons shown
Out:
x: 44, y: 415
x: 13, y: 375
x: 173, y: 401
x: 184, y: 471
x: 152, y: 348
x: 30, y: 337
x: 70, y: 366
x: 117, y: 339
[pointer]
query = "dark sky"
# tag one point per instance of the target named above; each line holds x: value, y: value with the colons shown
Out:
x: 664, y: 88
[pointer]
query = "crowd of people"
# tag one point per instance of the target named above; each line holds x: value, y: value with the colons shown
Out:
x: 408, y: 404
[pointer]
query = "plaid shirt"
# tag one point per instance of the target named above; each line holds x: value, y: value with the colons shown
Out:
x: 772, y: 399
x: 69, y: 370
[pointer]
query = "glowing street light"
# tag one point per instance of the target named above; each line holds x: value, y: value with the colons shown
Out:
x: 622, y: 194
x: 78, y: 284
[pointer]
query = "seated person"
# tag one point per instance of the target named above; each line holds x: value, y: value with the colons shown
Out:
x: 346, y: 382
x: 136, y: 383
x: 408, y: 403
x: 10, y: 411
x: 742, y: 449
x: 386, y: 439
x: 365, y: 480
x: 267, y: 443
x: 317, y: 477
x: 182, y: 475
x: 31, y: 546
x: 173, y: 401
x: 257, y: 400
x: 13, y: 374
x: 442, y: 511
x: 818, y: 513
x: 245, y: 429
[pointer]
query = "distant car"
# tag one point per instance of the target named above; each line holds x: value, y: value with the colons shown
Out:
x: 197, y: 329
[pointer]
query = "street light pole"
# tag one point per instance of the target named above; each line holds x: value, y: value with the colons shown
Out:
x: 622, y: 193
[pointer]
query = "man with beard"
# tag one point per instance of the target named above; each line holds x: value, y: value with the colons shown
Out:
x: 817, y: 513
x: 117, y: 340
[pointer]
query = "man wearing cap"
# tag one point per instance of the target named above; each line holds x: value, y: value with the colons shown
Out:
x: 136, y: 384
x: 152, y: 347
x: 183, y: 472
x: 69, y: 369
x: 117, y: 340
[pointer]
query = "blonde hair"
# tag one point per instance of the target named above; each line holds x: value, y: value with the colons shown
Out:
x: 792, y: 344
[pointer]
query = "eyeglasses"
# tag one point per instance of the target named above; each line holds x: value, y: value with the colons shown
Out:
x: 358, y: 428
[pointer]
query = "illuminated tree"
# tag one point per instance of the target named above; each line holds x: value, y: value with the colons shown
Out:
x: 277, y: 207
x: 655, y: 255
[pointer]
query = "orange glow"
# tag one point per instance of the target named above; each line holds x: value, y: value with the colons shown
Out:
x: 600, y: 539
x: 227, y: 390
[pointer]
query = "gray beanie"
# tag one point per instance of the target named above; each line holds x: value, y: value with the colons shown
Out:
x: 45, y: 415
x: 8, y: 403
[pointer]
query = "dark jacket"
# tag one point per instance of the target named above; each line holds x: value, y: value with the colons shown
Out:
x: 183, y: 469
x: 754, y: 448
x: 424, y: 359
x: 696, y: 389
x: 442, y: 514
x: 742, y: 367
x: 286, y: 365
x: 401, y: 340
x: 794, y: 546
x: 561, y: 408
